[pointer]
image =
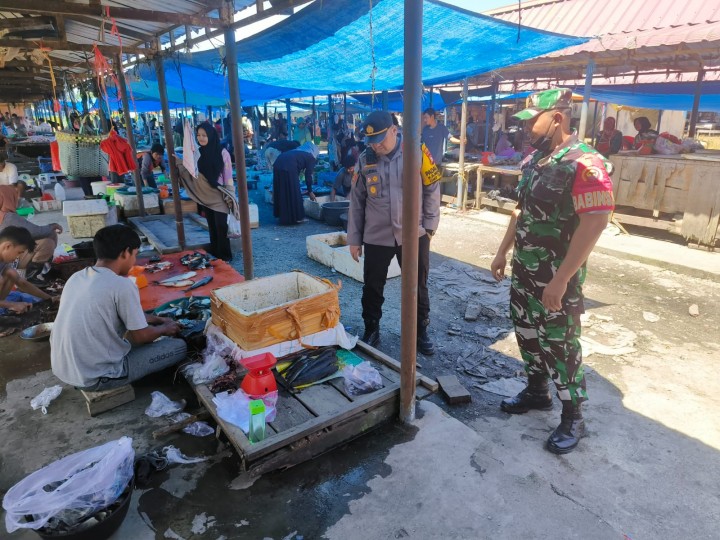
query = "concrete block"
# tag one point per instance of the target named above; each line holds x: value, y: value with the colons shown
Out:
x: 332, y: 250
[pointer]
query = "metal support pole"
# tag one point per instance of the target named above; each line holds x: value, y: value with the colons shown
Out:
x: 432, y: 91
x: 582, y: 128
x: 490, y: 117
x: 459, y: 200
x: 594, y: 123
x: 237, y: 131
x: 696, y: 103
x: 130, y: 135
x: 289, y: 119
x: 385, y: 100
x: 315, y: 120
x: 410, y: 209
x: 167, y: 128
x: 330, y: 121
x: 345, y: 107
x: 660, y: 115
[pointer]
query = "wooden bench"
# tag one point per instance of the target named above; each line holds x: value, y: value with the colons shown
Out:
x: 99, y: 402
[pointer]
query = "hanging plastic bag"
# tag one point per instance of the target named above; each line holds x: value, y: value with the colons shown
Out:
x: 71, y: 488
x: 361, y: 379
x: 233, y: 227
x: 162, y: 405
x: 43, y: 399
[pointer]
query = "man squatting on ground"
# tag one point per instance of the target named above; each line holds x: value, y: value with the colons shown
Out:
x: 16, y: 242
x: 375, y: 223
x: 564, y: 199
x: 102, y: 339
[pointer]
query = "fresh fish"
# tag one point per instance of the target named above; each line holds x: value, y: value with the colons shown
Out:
x: 203, y: 281
x: 181, y: 277
x: 178, y: 284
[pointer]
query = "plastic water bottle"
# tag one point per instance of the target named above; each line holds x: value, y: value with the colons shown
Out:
x: 59, y: 192
x: 257, y: 420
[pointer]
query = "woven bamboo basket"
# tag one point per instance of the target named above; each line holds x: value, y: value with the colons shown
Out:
x: 80, y: 154
x: 266, y: 311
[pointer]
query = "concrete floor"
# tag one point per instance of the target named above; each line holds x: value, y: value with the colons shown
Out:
x: 648, y: 468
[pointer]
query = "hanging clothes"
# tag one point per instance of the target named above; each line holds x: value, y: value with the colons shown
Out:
x: 122, y: 158
x: 55, y: 156
x: 191, y: 153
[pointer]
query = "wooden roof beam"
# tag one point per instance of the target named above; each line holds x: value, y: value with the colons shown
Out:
x: 58, y: 45
x: 58, y: 7
x: 124, y: 30
x: 24, y: 22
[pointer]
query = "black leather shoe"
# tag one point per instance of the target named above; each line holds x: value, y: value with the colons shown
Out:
x: 566, y: 436
x: 528, y: 399
x: 371, y: 335
x: 424, y: 343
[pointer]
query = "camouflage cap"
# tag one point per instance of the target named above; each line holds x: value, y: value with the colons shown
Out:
x: 547, y: 100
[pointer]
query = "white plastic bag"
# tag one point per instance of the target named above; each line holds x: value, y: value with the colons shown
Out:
x: 90, y: 480
x: 234, y: 230
x: 174, y: 455
x: 218, y: 349
x: 361, y: 379
x: 235, y: 408
x: 43, y: 399
x: 199, y: 429
x: 162, y: 405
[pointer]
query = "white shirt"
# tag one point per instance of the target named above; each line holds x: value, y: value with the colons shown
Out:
x: 9, y: 174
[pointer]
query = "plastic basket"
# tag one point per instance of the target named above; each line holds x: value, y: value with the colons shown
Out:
x: 80, y: 154
x: 46, y: 206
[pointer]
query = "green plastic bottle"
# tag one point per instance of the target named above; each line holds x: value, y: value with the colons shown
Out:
x: 257, y: 421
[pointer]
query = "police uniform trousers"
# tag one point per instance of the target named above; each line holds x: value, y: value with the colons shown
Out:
x: 377, y: 262
x: 549, y: 344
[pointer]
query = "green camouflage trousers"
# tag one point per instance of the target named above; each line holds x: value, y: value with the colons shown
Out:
x: 549, y: 344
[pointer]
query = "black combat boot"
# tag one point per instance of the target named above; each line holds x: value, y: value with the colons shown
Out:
x: 372, y: 332
x: 535, y: 396
x: 571, y: 429
x: 424, y: 344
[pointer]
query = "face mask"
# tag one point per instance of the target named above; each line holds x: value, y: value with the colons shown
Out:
x: 544, y: 142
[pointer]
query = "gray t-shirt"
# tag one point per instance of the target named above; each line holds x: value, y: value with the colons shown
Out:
x: 96, y: 309
x: 434, y: 139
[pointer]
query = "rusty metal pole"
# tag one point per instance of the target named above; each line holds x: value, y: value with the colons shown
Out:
x: 461, y: 189
x: 130, y: 134
x: 167, y: 128
x: 239, y: 144
x: 410, y: 208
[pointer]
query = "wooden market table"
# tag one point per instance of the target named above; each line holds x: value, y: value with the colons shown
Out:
x: 686, y: 186
x: 318, y: 418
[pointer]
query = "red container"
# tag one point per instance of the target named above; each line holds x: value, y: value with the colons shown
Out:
x: 260, y: 379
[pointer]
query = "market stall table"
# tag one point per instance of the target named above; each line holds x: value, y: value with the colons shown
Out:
x: 318, y: 418
x: 685, y: 185
x: 500, y: 171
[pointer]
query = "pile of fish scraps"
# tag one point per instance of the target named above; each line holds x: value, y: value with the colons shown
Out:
x: 197, y: 260
x: 309, y: 368
x: 191, y: 313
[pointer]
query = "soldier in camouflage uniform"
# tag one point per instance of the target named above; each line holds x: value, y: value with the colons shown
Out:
x: 564, y: 200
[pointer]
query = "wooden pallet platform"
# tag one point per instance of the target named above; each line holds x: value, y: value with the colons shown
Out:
x: 161, y: 232
x: 319, y: 418
x: 99, y: 402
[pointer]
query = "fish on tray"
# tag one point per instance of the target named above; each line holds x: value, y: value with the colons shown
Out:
x: 178, y: 284
x: 203, y: 281
x: 306, y: 370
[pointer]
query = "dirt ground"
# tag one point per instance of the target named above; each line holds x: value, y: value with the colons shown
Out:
x: 644, y: 471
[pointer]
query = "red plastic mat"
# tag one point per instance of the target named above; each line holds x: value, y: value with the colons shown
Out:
x: 155, y: 295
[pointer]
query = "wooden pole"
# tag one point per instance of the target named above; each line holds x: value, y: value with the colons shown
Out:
x: 696, y: 103
x: 594, y: 127
x: 288, y: 119
x: 490, y: 117
x: 582, y: 128
x: 167, y: 128
x: 239, y: 145
x: 129, y: 131
x: 410, y: 210
x: 463, y: 138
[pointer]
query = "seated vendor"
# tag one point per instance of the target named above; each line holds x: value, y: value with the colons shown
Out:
x: 45, y: 236
x: 610, y: 140
x: 16, y: 294
x: 344, y: 178
x: 154, y: 158
x: 645, y: 134
x: 102, y: 339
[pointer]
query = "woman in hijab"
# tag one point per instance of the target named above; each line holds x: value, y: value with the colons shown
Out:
x: 212, y: 189
x: 610, y: 139
x: 287, y: 198
x: 645, y: 135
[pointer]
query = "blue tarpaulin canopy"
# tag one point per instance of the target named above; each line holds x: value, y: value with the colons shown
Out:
x: 662, y: 96
x: 337, y: 46
x: 395, y: 100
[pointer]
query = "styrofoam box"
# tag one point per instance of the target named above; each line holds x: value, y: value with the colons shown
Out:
x: 85, y: 218
x: 130, y: 201
x: 313, y: 209
x: 332, y: 250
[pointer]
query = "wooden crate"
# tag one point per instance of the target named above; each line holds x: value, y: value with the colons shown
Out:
x: 319, y: 418
x: 270, y: 310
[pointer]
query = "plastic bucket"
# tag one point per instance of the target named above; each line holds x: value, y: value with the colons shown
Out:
x: 332, y: 211
x: 99, y: 188
x: 110, y: 189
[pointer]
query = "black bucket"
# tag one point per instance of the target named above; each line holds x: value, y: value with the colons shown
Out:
x: 84, y: 250
x: 332, y: 211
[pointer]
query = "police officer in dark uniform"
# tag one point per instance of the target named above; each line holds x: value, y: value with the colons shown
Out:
x: 375, y: 224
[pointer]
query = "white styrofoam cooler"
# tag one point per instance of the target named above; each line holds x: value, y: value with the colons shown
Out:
x: 85, y: 218
x: 332, y: 250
